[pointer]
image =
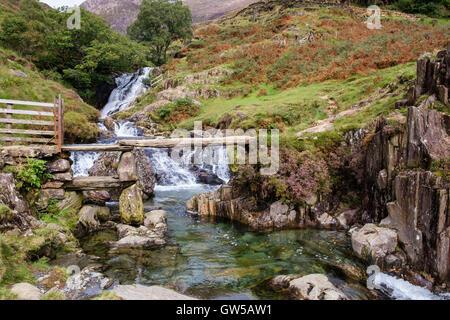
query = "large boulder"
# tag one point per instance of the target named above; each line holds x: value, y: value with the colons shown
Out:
x: 26, y: 291
x: 374, y: 243
x: 138, y: 238
x: 131, y: 206
x: 140, y: 292
x: 315, y: 287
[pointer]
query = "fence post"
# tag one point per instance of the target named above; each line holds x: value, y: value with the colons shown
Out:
x: 60, y: 123
x: 8, y: 116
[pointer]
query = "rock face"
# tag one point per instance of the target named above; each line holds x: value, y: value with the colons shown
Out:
x: 26, y: 291
x: 374, y: 243
x: 121, y: 13
x: 9, y: 196
x: 13, y: 204
x: 140, y: 292
x: 131, y: 206
x: 420, y: 214
x: 433, y: 76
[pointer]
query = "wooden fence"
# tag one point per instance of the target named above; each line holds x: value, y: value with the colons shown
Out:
x: 47, y: 115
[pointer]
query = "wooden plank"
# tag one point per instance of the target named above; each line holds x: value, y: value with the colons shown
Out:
x: 60, y: 123
x: 96, y: 183
x: 97, y: 148
x: 185, y: 142
x: 20, y: 139
x: 23, y: 121
x: 32, y: 132
x: 28, y: 103
x: 8, y: 117
x: 27, y: 112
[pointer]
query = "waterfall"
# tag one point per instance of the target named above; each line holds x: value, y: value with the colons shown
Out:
x: 403, y: 290
x: 180, y: 173
x: 126, y: 129
x: 82, y: 162
x: 129, y: 87
x: 169, y: 172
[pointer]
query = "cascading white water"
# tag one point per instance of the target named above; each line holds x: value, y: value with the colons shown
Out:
x: 129, y: 87
x: 126, y: 129
x: 179, y: 173
x: 82, y: 162
x: 403, y: 290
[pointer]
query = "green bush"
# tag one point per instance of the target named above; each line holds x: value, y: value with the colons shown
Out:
x: 31, y: 175
x: 178, y: 110
x: 434, y: 8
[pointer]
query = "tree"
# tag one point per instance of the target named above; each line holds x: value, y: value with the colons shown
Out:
x: 159, y: 24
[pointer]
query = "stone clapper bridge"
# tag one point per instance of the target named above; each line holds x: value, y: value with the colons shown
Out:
x: 50, y: 144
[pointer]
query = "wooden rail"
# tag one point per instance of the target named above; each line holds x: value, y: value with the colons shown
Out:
x: 54, y: 122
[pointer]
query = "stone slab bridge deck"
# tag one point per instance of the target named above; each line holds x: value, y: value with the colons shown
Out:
x: 130, y: 144
x: 105, y: 183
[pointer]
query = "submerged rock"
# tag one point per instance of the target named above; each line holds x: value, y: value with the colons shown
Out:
x: 310, y: 287
x: 152, y: 234
x: 140, y: 292
x: 315, y: 287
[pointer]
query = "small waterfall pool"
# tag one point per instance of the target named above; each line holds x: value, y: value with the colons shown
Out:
x: 215, y: 259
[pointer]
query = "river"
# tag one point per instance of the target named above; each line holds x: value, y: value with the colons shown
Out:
x: 214, y: 259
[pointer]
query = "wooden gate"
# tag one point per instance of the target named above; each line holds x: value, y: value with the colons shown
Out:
x: 32, y: 122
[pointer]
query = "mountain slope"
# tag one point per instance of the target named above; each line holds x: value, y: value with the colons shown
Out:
x: 121, y: 13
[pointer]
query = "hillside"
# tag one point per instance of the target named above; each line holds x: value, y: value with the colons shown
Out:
x: 20, y: 79
x: 121, y: 13
x: 281, y: 65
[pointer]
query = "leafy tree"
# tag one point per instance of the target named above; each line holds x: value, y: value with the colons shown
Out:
x: 85, y: 57
x: 159, y: 24
x: 429, y: 7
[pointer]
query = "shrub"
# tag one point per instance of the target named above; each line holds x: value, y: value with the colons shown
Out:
x: 178, y: 110
x: 31, y: 175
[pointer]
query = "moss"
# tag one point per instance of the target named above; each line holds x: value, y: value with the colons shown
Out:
x: 5, y: 212
x: 107, y: 295
x: 6, y: 294
x: 54, y: 295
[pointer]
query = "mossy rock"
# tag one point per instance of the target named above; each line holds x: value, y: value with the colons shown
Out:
x: 131, y: 206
